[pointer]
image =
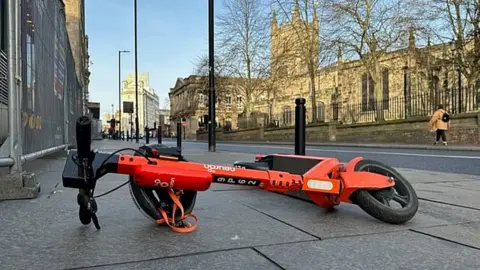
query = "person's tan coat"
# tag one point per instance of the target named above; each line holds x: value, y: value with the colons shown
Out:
x: 436, y: 121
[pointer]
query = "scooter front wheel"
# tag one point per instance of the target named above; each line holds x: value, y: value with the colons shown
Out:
x: 380, y: 204
x: 149, y: 200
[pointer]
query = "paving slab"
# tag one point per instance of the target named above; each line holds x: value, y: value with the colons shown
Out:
x: 47, y: 230
x: 240, y: 259
x: 449, y: 194
x: 346, y: 220
x: 470, y: 185
x: 401, y: 250
x: 467, y: 234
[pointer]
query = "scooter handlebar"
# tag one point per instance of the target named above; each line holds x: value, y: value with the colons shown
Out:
x: 83, y: 131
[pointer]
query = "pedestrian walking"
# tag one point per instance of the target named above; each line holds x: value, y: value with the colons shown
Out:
x: 440, y: 123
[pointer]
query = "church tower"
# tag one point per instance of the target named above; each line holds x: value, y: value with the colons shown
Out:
x: 293, y: 42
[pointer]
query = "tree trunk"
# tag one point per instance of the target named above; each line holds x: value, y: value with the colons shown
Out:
x: 313, y: 97
x: 248, y: 107
x: 380, y: 114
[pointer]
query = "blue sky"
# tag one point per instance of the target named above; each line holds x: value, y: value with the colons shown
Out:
x: 171, y: 35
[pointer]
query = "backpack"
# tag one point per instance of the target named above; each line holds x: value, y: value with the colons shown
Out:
x: 445, y: 117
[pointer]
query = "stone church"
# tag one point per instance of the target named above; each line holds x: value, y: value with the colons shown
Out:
x: 413, y: 81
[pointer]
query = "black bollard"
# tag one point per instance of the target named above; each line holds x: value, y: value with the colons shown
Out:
x: 159, y: 134
x: 300, y: 126
x: 128, y: 136
x: 147, y: 135
x: 179, y: 136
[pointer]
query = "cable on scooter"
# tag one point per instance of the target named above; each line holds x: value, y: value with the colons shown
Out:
x: 112, y: 190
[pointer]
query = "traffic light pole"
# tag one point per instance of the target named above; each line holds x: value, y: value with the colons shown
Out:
x: 211, y: 75
x: 137, y: 131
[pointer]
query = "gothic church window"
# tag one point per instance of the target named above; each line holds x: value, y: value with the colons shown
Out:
x: 368, y: 93
x: 321, y: 112
x: 386, y: 90
x: 287, y: 115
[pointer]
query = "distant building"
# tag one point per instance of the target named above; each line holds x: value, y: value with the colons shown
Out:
x: 148, y: 101
x: 189, y: 103
x: 164, y: 121
x: 94, y: 108
x: 106, y: 117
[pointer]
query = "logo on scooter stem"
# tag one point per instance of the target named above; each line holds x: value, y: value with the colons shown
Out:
x: 212, y: 168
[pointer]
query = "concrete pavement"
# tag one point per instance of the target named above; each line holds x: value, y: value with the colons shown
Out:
x: 240, y: 228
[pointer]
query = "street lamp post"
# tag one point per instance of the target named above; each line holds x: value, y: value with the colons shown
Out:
x: 120, y: 90
x: 137, y: 139
x: 114, y: 120
x: 211, y: 74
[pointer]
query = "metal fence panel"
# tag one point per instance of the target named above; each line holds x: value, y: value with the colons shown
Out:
x: 3, y: 98
x: 455, y: 101
x: 48, y: 76
x: 3, y: 78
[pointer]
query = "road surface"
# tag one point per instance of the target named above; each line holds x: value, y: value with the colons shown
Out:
x: 450, y: 161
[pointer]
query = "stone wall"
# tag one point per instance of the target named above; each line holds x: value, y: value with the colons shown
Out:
x: 465, y: 130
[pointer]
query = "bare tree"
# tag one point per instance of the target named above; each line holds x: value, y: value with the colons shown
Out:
x: 307, y: 48
x: 368, y: 29
x: 166, y: 104
x: 202, y: 69
x: 242, y: 43
x: 458, y: 22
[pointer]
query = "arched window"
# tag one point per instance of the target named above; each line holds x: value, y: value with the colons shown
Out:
x: 368, y: 93
x: 477, y: 91
x: 386, y: 90
x: 321, y: 111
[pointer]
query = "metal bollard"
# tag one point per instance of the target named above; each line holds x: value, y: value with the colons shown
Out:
x: 128, y: 136
x: 179, y: 136
x: 300, y: 126
x: 147, y: 135
x: 159, y: 134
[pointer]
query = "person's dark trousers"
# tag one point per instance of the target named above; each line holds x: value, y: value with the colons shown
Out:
x: 441, y: 134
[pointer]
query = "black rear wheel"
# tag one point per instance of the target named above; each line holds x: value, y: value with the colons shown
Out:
x: 150, y: 200
x: 394, y: 205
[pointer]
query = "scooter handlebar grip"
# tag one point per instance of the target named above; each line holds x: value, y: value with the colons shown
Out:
x: 83, y: 132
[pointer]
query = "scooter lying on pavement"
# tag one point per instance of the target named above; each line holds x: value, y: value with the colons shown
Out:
x: 164, y: 185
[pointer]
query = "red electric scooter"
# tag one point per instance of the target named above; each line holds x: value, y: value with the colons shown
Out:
x: 164, y: 185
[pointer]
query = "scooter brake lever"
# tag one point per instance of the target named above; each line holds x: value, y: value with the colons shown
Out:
x: 90, y: 205
x: 95, y: 221
x: 93, y: 210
